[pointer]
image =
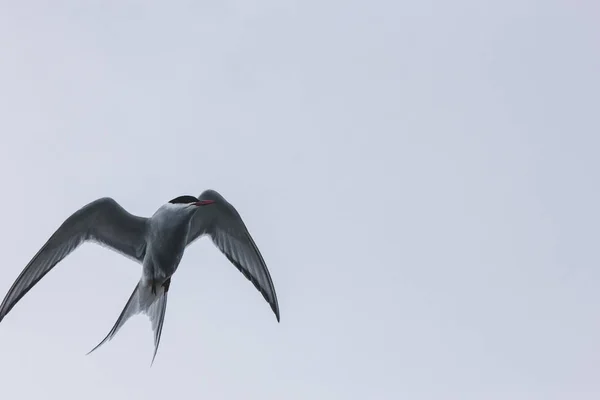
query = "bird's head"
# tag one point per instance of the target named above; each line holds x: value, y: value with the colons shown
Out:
x: 190, y: 203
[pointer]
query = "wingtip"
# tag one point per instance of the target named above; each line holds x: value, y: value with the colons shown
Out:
x: 91, y: 351
x: 275, y: 309
x: 95, y: 348
x: 154, y: 356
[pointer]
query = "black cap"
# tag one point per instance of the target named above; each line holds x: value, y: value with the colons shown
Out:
x: 183, y: 200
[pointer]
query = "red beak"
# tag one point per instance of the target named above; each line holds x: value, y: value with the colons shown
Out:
x: 203, y: 202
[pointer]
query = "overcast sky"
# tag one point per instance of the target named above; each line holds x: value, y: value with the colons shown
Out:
x: 421, y: 178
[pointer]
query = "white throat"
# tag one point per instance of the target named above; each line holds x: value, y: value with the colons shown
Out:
x: 177, y: 210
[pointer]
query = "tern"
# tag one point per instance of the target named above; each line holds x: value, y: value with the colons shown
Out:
x: 157, y: 243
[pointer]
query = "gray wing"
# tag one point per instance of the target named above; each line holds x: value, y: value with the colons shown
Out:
x: 102, y: 221
x: 223, y: 224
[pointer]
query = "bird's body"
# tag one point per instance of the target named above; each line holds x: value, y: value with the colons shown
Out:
x: 157, y: 243
x: 167, y: 236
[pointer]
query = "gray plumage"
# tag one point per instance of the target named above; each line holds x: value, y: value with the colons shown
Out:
x: 157, y: 243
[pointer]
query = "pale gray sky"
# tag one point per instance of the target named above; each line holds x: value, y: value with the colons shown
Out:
x: 421, y: 178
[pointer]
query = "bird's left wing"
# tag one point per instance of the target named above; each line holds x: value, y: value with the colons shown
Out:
x: 225, y: 226
x: 102, y: 221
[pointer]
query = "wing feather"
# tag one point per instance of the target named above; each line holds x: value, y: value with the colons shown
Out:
x: 227, y: 230
x: 102, y: 221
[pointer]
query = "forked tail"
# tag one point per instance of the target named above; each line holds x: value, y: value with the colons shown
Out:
x: 143, y: 300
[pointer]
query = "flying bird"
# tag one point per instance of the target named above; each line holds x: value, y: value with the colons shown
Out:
x: 157, y: 243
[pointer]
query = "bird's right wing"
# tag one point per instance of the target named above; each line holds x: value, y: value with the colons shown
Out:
x: 222, y: 222
x: 102, y: 221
